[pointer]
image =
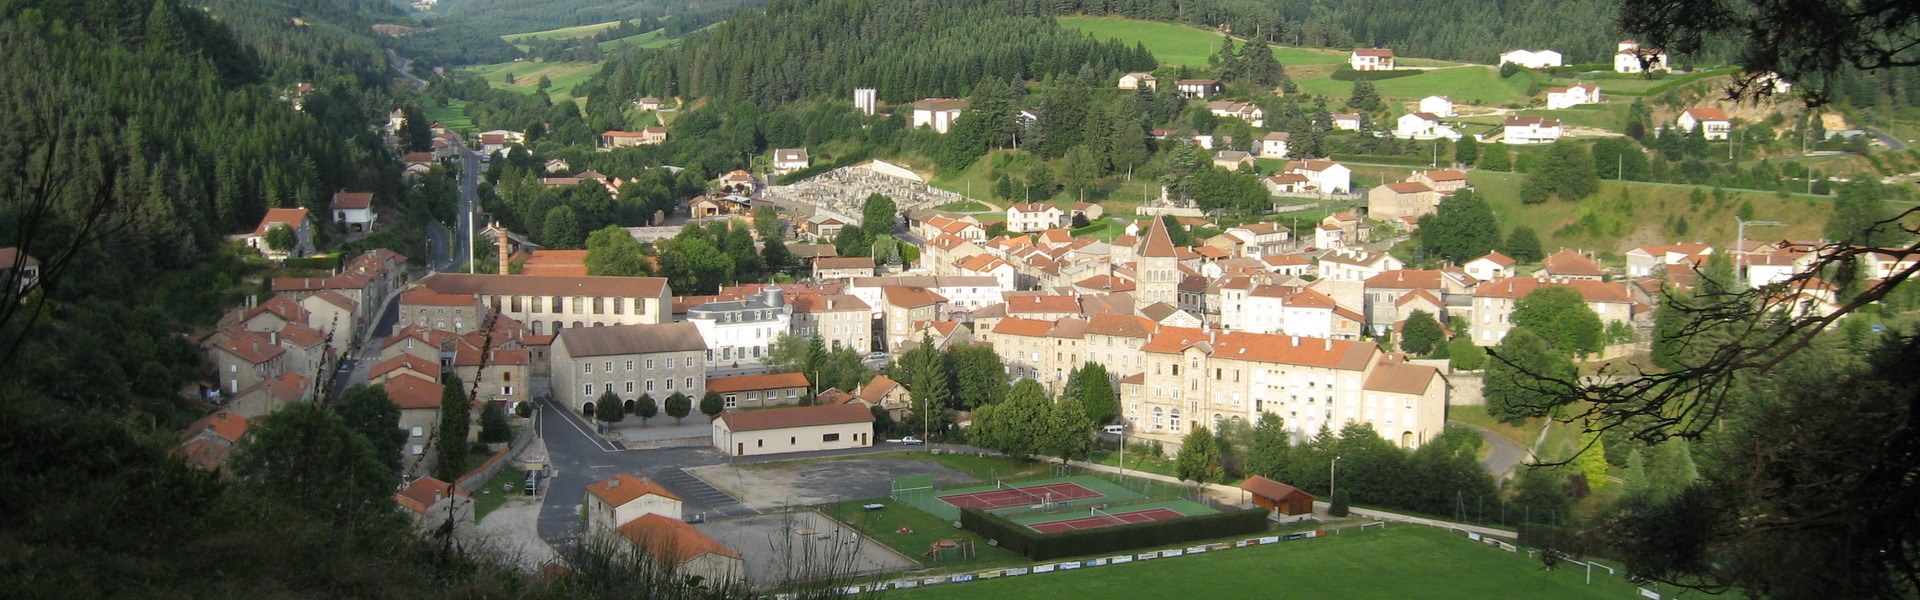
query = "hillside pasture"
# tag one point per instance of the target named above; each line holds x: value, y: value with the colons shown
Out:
x: 580, y: 31
x: 1183, y: 46
x: 526, y: 75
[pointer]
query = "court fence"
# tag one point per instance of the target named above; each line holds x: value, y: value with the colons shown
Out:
x: 1023, y: 540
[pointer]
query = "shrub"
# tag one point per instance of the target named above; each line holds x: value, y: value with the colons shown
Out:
x: 1338, y: 508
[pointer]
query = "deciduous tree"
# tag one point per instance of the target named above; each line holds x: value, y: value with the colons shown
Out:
x: 1199, y: 458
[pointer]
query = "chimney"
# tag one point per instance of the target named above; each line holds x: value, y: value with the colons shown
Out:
x: 501, y: 242
x: 1329, y: 344
x: 1296, y: 340
x: 273, y: 337
x: 613, y: 483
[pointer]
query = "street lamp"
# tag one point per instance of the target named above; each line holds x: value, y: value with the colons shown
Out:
x: 1330, y: 477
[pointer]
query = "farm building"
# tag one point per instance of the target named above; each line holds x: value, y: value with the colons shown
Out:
x: 1285, y: 499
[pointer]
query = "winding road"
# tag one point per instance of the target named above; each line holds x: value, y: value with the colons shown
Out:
x: 1506, y: 456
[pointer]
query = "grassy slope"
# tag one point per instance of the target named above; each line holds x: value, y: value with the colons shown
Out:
x: 1645, y: 215
x: 1180, y: 45
x: 564, y: 32
x: 564, y: 75
x: 1396, y: 562
x: 453, y: 115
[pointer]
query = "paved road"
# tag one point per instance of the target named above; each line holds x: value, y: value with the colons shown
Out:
x: 400, y: 64
x: 1506, y: 455
x: 368, y: 351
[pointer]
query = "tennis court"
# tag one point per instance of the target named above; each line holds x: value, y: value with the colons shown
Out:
x: 1008, y: 497
x: 1003, y: 497
x: 1095, y: 517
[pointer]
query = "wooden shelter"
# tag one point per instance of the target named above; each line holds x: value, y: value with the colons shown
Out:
x: 1272, y: 494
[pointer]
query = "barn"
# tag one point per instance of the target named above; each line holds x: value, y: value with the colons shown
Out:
x: 1278, y: 496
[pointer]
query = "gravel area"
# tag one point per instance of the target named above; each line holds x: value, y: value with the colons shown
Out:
x: 513, y: 530
x: 800, y: 541
x: 780, y: 485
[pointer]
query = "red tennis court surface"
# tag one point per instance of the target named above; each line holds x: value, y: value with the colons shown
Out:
x: 1025, y: 496
x: 1096, y: 522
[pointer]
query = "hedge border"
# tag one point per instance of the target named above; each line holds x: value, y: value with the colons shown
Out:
x: 1034, y: 545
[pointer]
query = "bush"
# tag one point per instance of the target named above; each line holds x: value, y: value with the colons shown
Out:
x: 327, y: 262
x: 1404, y: 161
x: 1338, y: 507
x: 1046, y: 546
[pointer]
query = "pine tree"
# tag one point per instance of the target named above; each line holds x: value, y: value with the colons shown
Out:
x: 1593, y: 460
x: 450, y: 442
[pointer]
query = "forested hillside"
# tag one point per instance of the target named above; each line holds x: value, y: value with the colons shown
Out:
x: 909, y: 50
x: 137, y: 134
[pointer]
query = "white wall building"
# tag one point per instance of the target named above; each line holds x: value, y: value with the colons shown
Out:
x: 740, y: 333
x: 794, y: 429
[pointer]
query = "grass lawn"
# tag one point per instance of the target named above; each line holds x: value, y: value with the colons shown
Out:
x: 453, y: 115
x: 505, y: 484
x: 884, y: 525
x: 564, y: 32
x: 1466, y: 85
x: 986, y: 468
x: 1181, y: 45
x: 1137, y: 461
x: 1648, y: 215
x: 526, y: 75
x: 1397, y: 561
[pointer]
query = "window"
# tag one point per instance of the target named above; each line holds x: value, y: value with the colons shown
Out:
x: 793, y: 441
x: 579, y: 305
x: 669, y: 362
x: 649, y: 386
x: 629, y: 387
x: 416, y: 432
x: 506, y: 390
x: 1157, y: 416
x: 830, y: 437
x: 607, y: 387
x: 619, y: 305
x: 419, y: 449
x: 1173, y: 418
x: 689, y: 384
x: 558, y: 305
x: 586, y: 368
x: 629, y: 364
x: 649, y: 364
x: 669, y: 384
x: 759, y: 443
x: 598, y: 306
x: 609, y: 366
x: 586, y: 390
x: 733, y: 400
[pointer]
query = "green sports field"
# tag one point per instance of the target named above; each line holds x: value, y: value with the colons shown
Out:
x: 1398, y: 561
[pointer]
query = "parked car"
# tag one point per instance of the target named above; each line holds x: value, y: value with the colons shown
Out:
x: 910, y: 441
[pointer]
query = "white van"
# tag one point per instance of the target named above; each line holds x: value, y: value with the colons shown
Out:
x: 1114, y: 429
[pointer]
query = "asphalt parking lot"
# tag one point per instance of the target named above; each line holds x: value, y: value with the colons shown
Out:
x: 773, y: 486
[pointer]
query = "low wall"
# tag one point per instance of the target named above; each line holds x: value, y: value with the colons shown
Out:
x: 471, y: 482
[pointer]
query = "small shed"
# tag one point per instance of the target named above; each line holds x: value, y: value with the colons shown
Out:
x: 1272, y: 494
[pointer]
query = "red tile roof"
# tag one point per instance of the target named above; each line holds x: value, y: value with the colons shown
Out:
x: 620, y: 489
x: 291, y: 217
x: 1174, y: 339
x: 423, y: 493
x: 419, y: 365
x: 1570, y: 262
x: 223, y: 423
x: 798, y: 416
x: 352, y: 200
x: 672, y: 540
x: 1406, y: 279
x: 1590, y: 290
x: 912, y: 297
x: 1043, y: 304
x: 1158, y: 243
x: 1022, y: 327
x: 1401, y: 378
x: 427, y: 297
x: 744, y: 383
x: 1707, y: 114
x: 1293, y: 350
x: 410, y: 392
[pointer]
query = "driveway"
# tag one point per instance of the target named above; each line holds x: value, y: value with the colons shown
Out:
x: 1506, y: 455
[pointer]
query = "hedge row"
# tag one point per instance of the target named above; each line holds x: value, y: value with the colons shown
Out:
x: 1348, y: 74
x: 1047, y: 546
x: 851, y: 158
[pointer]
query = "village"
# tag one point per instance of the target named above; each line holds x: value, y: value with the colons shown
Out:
x: 1198, y: 321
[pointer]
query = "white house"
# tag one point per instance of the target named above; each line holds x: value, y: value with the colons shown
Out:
x: 1346, y: 121
x: 1570, y: 96
x: 788, y: 160
x: 1371, y: 59
x: 1134, y: 81
x: 1532, y: 59
x: 1490, y: 267
x: 793, y: 429
x: 353, y: 211
x: 1272, y: 145
x: 1422, y: 126
x: 1232, y: 160
x: 1439, y: 106
x: 1324, y: 176
x: 739, y: 334
x: 1250, y: 113
x: 620, y: 499
x: 1531, y: 129
x: 1200, y: 88
x: 1631, y: 58
x: 938, y: 113
x: 1035, y: 216
x: 1712, y: 122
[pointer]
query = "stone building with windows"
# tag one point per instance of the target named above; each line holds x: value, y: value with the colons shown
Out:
x: 628, y: 360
